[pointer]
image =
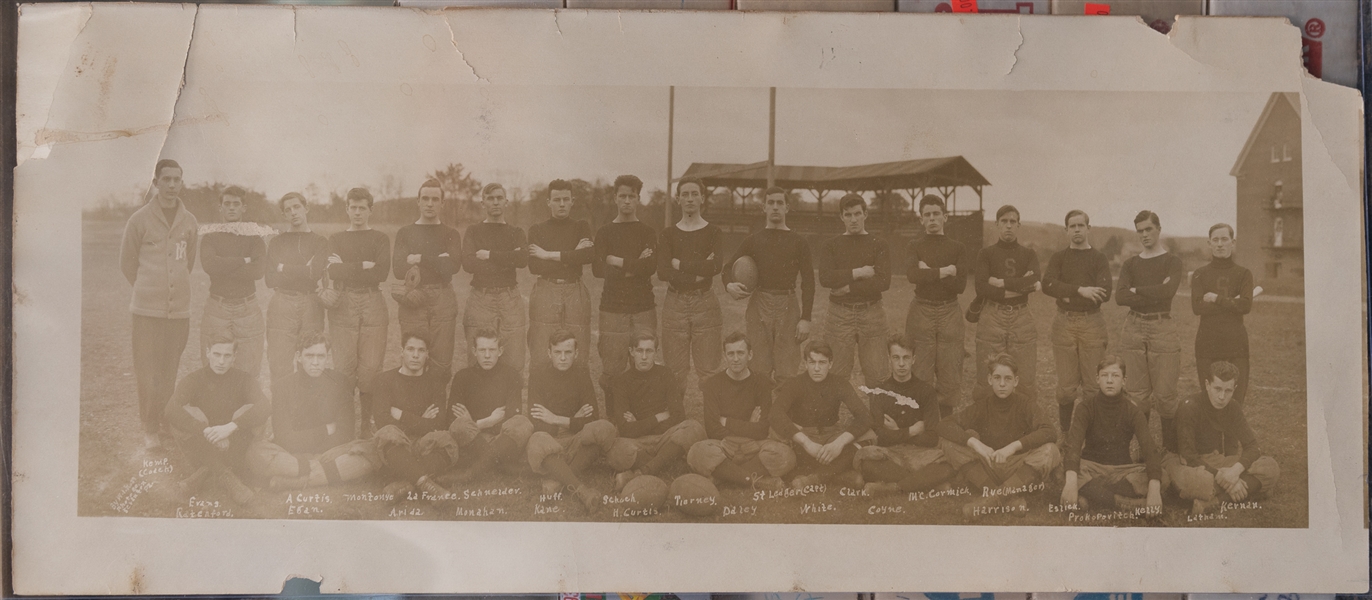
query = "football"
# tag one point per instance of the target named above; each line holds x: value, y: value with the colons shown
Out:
x: 694, y: 495
x: 647, y: 491
x: 745, y: 272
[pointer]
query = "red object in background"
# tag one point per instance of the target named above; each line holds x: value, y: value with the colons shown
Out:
x: 1314, y: 29
x: 1312, y: 54
x: 1161, y: 26
x: 1021, y: 8
x: 1096, y: 9
x: 964, y: 6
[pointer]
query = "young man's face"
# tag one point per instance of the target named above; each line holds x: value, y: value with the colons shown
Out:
x: 359, y: 212
x: 221, y: 358
x: 494, y: 202
x: 1077, y: 229
x: 736, y: 357
x: 168, y: 182
x: 415, y: 354
x: 231, y: 208
x: 1007, y: 225
x: 775, y: 208
x: 563, y: 354
x: 1111, y: 380
x: 313, y: 358
x: 626, y: 199
x: 691, y: 198
x: 854, y: 219
x: 1003, y: 381
x: 933, y: 218
x: 295, y: 212
x: 644, y: 354
x: 817, y: 366
x: 1221, y: 243
x: 1220, y: 392
x: 1148, y: 233
x: 430, y: 200
x: 487, y: 351
x: 902, y: 361
x: 560, y: 203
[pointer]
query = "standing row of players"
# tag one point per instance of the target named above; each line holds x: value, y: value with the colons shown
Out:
x: 341, y: 276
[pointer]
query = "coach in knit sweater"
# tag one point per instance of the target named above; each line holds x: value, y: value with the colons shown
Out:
x: 856, y: 267
x: 156, y: 256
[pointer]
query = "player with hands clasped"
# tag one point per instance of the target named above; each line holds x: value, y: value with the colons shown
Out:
x: 908, y: 455
x: 645, y: 404
x: 805, y: 412
x: 856, y: 267
x: 359, y: 261
x: 1149, y: 343
x: 738, y: 410
x: 625, y: 257
x: 488, y: 396
x: 1079, y: 278
x: 1099, y: 467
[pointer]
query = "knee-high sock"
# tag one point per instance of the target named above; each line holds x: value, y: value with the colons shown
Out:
x: 884, y: 471
x: 1169, y: 434
x: 1097, y: 494
x: 670, y: 453
x: 1065, y: 417
x: 927, y: 477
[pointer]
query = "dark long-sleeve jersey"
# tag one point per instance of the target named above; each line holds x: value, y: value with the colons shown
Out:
x: 219, y: 397
x: 628, y: 289
x: 508, y: 252
x: 304, y: 406
x: 839, y: 255
x: 1221, y: 333
x: 734, y: 401
x: 999, y: 421
x: 484, y: 390
x: 412, y: 394
x: 1071, y: 269
x: 221, y: 256
x: 905, y: 415
x: 561, y: 235
x: 1017, y: 265
x: 563, y: 393
x: 356, y: 247
x: 1202, y: 429
x: 644, y: 394
x: 701, y: 256
x: 802, y: 402
x: 431, y: 242
x: 780, y: 254
x: 1102, y: 428
x: 296, y: 260
x: 936, y: 252
x: 1147, y: 285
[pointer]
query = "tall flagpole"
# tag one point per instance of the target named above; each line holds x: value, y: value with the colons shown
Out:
x: 671, y: 122
x: 772, y: 140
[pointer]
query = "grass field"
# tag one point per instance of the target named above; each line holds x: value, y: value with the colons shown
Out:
x: 117, y: 477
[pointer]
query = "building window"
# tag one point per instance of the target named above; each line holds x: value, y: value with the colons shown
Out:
x: 1273, y: 270
x: 1277, y: 232
x: 1275, y: 157
x: 1285, y: 153
x: 1276, y: 194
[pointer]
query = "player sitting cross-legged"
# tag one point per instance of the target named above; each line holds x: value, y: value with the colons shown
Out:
x: 1100, y: 468
x: 645, y: 404
x: 806, y: 412
x: 908, y: 455
x: 418, y: 437
x: 738, y: 410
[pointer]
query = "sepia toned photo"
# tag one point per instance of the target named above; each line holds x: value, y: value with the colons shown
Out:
x: 406, y: 297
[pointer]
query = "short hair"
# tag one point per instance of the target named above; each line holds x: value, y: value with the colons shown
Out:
x: 487, y: 333
x: 819, y: 347
x: 165, y: 163
x: 776, y: 190
x: 931, y: 199
x: 899, y: 339
x: 491, y: 187
x: 1008, y: 208
x: 431, y: 183
x: 1076, y: 212
x: 850, y: 200
x: 311, y: 339
x: 1111, y: 360
x: 291, y: 196
x: 690, y: 179
x: 235, y: 191
x: 634, y: 183
x: 643, y: 336
x: 736, y: 337
x: 560, y: 336
x: 1002, y: 360
x: 1220, y: 226
x: 220, y: 337
x: 416, y: 335
x: 1223, y: 371
x: 360, y: 193
x: 559, y: 184
x: 1147, y: 215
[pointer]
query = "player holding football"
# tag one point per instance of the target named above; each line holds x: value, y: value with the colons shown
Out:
x: 426, y: 255
x: 738, y: 416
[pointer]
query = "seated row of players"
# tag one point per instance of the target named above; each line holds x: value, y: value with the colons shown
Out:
x: 436, y: 431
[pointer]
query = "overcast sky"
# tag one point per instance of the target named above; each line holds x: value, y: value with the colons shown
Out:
x: 1047, y: 152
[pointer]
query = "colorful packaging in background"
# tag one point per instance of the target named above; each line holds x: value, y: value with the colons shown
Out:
x: 1020, y: 7
x: 1158, y: 14
x: 1329, y: 31
x: 653, y: 4
x: 819, y: 5
x: 480, y: 3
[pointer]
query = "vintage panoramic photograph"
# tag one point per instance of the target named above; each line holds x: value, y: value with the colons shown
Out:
x: 700, y: 305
